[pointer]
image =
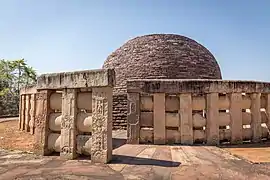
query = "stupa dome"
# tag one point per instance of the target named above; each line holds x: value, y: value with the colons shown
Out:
x: 161, y: 56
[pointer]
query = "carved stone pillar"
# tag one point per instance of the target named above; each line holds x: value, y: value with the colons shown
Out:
x: 27, y: 113
x: 32, y: 113
x: 68, y: 124
x: 22, y: 112
x: 133, y: 118
x: 212, y: 124
x: 101, y: 150
x: 42, y: 125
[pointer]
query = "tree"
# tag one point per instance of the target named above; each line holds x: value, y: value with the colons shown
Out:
x: 13, y: 75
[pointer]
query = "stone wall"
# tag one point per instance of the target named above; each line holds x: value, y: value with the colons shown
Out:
x: 120, y: 111
x: 72, y: 114
x: 27, y: 109
x: 198, y: 111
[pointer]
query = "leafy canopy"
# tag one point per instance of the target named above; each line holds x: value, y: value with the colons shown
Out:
x: 14, y: 74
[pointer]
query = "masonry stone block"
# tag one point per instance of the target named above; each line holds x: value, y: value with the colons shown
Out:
x: 146, y: 119
x: 56, y: 101
x: 55, y: 120
x: 172, y: 103
x: 172, y: 120
x: 146, y: 135
x: 84, y: 122
x: 85, y: 101
x: 146, y: 103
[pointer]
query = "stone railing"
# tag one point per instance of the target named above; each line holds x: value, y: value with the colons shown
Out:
x: 72, y: 114
x: 27, y: 109
x: 197, y: 111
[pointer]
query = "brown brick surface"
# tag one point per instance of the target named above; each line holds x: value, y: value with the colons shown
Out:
x: 158, y: 56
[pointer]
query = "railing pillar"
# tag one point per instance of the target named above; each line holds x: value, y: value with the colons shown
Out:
x: 101, y: 150
x: 68, y: 124
x: 159, y: 119
x: 133, y: 118
x: 236, y: 124
x: 212, y: 124
x: 186, y: 121
x: 42, y: 122
x: 256, y: 117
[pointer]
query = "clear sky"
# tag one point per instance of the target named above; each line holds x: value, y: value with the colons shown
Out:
x: 68, y: 35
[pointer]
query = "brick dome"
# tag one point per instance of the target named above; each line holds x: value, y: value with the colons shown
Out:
x: 157, y: 56
x: 162, y: 56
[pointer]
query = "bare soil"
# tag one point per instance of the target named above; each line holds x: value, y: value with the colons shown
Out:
x: 12, y: 138
x: 255, y: 153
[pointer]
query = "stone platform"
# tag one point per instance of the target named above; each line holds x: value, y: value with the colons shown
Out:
x: 135, y: 162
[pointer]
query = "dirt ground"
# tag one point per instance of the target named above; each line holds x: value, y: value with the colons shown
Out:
x: 13, y: 139
x: 255, y: 153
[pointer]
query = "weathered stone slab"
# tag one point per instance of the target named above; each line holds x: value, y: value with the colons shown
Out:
x: 101, y: 150
x: 28, y: 90
x: 42, y: 122
x: 146, y: 119
x: 77, y: 79
x: 133, y: 118
x: 68, y: 124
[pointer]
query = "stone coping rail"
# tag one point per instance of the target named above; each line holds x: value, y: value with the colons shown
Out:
x: 197, y: 86
x: 77, y: 79
x: 197, y: 111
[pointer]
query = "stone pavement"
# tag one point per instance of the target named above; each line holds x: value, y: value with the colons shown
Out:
x: 135, y: 162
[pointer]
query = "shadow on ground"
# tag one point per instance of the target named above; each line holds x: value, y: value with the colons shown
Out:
x: 130, y: 160
x: 118, y: 142
x: 263, y: 144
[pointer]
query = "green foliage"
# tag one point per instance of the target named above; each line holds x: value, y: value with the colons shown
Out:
x: 15, y: 74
